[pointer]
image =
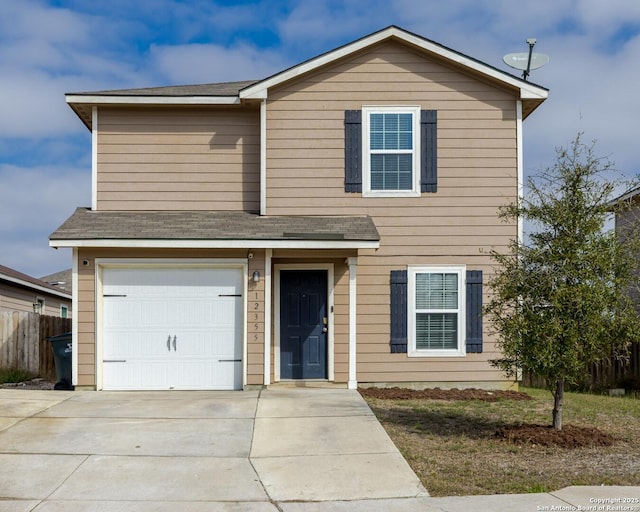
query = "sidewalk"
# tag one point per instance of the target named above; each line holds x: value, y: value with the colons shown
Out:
x: 568, y: 499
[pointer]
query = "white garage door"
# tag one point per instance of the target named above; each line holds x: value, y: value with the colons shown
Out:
x: 172, y: 328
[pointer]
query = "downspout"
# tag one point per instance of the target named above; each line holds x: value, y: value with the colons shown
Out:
x: 94, y: 158
x: 520, y: 187
x: 520, y: 168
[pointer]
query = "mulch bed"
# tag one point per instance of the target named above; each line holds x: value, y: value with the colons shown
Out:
x: 569, y: 437
x: 442, y: 394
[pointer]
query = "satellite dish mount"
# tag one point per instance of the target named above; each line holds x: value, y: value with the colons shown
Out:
x: 526, y: 62
x: 531, y: 42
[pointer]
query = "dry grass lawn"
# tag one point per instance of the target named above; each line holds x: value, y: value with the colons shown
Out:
x: 452, y: 446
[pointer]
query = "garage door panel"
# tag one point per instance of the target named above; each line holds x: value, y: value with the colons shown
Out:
x: 153, y: 374
x: 199, y: 311
x: 191, y: 373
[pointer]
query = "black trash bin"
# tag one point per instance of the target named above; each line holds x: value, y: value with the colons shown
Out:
x: 62, y: 348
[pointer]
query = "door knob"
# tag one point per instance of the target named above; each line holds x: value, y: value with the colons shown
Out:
x: 324, y: 329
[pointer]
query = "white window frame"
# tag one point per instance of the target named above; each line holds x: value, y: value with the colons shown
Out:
x: 460, y: 270
x: 366, y: 145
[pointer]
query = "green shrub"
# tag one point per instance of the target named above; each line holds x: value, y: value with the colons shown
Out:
x: 15, y: 375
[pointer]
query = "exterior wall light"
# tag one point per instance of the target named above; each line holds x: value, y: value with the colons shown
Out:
x: 256, y: 276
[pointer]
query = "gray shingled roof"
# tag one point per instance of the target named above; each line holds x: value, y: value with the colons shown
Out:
x: 217, y: 89
x: 85, y: 224
x: 10, y: 275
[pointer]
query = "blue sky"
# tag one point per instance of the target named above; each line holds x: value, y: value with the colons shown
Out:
x: 50, y: 47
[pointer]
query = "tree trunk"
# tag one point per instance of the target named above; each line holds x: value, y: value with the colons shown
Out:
x: 558, y: 398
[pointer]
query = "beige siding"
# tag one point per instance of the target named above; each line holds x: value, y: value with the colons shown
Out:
x: 179, y: 159
x: 477, y: 173
x: 17, y: 298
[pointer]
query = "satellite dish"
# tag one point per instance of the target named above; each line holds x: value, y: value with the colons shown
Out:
x: 521, y: 60
x: 526, y: 61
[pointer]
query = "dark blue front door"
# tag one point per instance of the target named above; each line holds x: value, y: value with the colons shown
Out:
x: 303, y: 324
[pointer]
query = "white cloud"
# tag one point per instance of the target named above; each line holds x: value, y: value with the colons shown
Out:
x: 208, y: 63
x: 35, y: 201
x: 44, y: 53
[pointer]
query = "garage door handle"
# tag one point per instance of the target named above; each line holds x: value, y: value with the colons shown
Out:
x: 169, y: 343
x: 114, y: 360
x: 229, y: 360
x: 174, y: 343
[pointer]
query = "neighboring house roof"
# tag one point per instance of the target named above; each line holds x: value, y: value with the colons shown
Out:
x: 61, y: 280
x: 18, y: 278
x: 230, y: 93
x: 209, y: 229
x: 627, y: 196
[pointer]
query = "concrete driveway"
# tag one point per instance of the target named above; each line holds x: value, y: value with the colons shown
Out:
x: 280, y: 450
x: 202, y: 451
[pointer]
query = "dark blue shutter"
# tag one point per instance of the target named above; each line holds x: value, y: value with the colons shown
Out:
x: 474, y: 311
x: 353, y: 151
x: 428, y: 151
x: 398, y: 311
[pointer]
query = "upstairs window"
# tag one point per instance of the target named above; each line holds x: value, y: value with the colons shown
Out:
x: 391, y: 151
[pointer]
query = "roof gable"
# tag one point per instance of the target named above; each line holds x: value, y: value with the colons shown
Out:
x: 535, y: 94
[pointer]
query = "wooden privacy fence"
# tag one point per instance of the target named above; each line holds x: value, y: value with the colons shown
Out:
x: 605, y: 374
x: 24, y: 344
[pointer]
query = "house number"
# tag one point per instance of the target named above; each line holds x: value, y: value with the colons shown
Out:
x: 256, y: 325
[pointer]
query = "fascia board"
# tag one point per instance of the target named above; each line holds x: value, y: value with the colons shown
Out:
x: 219, y: 244
x: 533, y: 93
x: 152, y: 100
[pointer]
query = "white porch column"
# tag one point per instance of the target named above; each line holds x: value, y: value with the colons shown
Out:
x: 268, y: 254
x: 353, y: 265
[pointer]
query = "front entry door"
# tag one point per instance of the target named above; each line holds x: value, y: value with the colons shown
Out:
x: 303, y: 324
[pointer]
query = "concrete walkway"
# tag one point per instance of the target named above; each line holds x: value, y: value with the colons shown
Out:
x: 289, y: 450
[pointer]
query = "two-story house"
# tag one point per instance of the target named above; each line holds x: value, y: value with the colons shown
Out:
x: 330, y: 223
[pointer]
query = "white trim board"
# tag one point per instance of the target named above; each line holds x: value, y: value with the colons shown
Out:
x: 99, y: 99
x: 219, y: 244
